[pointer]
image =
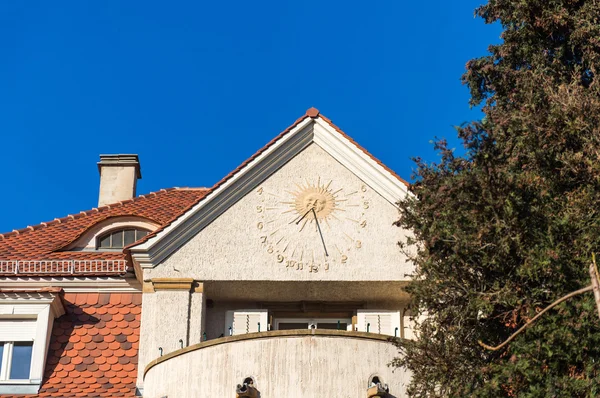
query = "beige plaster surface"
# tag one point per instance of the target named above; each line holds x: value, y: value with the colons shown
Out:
x: 232, y: 248
x: 167, y: 317
x: 117, y: 183
x: 292, y: 364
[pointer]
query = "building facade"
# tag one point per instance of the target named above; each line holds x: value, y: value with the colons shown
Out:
x: 283, y: 280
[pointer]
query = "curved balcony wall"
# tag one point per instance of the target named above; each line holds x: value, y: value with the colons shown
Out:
x: 289, y: 363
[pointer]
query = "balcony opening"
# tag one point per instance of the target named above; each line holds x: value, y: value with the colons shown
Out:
x: 313, y: 323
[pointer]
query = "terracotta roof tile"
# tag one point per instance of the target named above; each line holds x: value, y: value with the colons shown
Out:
x: 81, y: 362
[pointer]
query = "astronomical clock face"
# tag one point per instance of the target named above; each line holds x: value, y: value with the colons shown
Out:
x: 313, y: 225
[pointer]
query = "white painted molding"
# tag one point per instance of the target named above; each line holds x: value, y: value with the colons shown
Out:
x: 157, y: 248
x: 354, y: 159
x: 36, y: 303
x: 152, y: 252
x: 44, y: 307
x: 76, y: 284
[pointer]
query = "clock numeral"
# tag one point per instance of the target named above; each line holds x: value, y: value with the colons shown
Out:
x: 280, y: 258
x: 326, y: 266
x: 365, y: 205
x: 270, y: 249
x: 260, y: 191
x: 259, y: 209
x: 363, y: 223
x: 344, y: 258
x: 260, y: 226
x: 263, y: 239
x: 363, y: 188
x: 358, y: 244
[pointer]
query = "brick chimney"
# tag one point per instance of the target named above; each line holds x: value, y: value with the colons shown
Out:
x: 118, y: 178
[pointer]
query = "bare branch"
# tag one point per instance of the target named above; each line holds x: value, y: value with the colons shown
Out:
x: 554, y: 304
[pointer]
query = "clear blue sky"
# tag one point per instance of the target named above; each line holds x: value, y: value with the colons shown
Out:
x: 197, y: 87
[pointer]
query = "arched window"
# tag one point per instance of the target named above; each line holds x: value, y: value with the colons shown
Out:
x: 120, y: 238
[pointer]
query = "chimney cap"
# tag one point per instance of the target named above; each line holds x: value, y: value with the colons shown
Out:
x: 121, y: 160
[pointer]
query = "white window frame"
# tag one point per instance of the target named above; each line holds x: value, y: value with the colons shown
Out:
x: 314, y: 322
x: 7, y: 352
x: 7, y: 359
x: 114, y: 231
x: 89, y: 239
x: 44, y: 307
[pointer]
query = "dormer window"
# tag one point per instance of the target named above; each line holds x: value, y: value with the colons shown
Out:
x: 120, y: 238
x: 26, y: 322
x: 113, y: 233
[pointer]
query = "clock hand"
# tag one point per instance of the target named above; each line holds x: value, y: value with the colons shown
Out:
x: 305, y: 214
x: 320, y: 233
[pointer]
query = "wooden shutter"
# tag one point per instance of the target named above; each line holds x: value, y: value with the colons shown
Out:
x: 17, y: 329
x: 246, y: 321
x: 381, y: 322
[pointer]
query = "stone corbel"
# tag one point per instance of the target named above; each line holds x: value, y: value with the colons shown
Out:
x: 186, y: 284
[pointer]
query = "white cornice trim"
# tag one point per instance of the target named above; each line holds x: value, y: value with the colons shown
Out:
x: 76, y: 285
x: 157, y: 248
x: 152, y: 252
x: 33, y: 297
x: 358, y: 162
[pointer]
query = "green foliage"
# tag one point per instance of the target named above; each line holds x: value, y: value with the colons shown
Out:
x: 509, y: 227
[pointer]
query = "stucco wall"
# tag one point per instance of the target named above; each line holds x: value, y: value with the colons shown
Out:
x: 232, y: 247
x: 117, y: 183
x: 167, y: 317
x: 305, y: 366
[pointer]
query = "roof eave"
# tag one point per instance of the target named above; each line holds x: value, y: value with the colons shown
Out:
x: 312, y: 127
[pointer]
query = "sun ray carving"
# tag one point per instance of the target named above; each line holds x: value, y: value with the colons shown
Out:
x: 317, y: 197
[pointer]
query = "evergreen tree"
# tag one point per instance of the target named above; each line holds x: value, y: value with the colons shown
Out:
x: 507, y: 228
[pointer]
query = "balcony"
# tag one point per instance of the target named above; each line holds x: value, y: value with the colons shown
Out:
x: 313, y: 363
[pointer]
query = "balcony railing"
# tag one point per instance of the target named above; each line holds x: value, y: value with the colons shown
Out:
x: 24, y: 267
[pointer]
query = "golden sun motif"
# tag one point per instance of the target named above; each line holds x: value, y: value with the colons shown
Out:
x: 314, y: 225
x: 314, y: 197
